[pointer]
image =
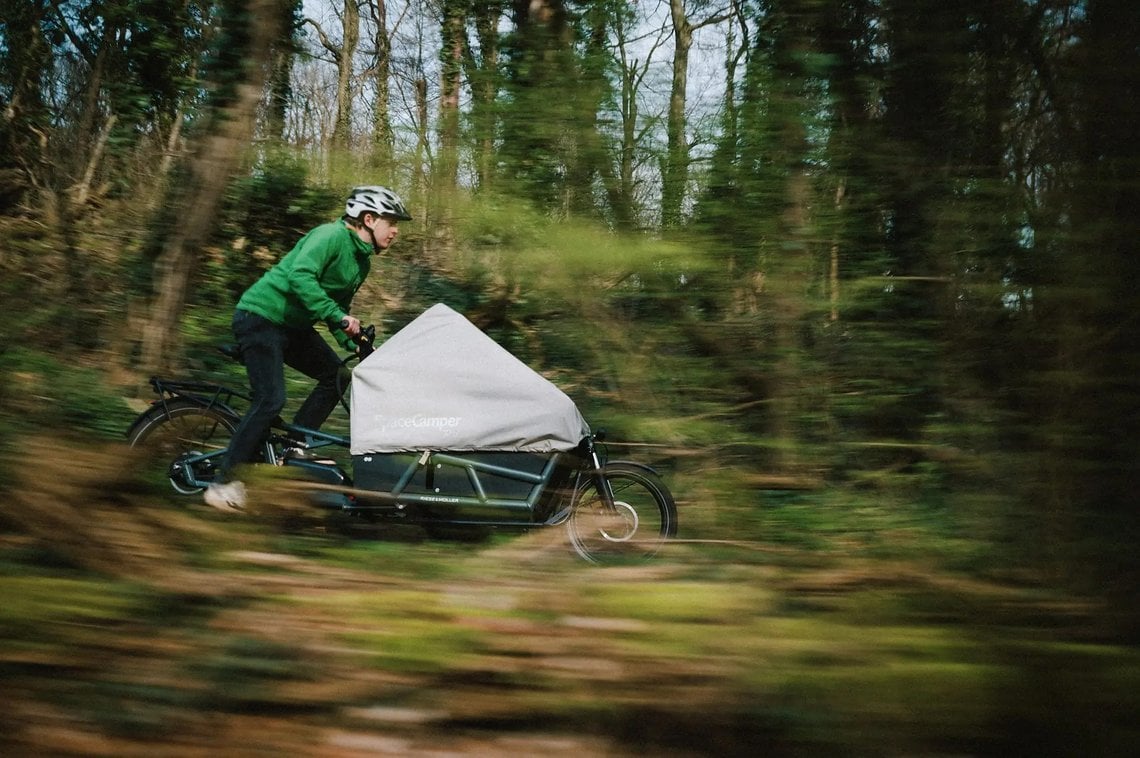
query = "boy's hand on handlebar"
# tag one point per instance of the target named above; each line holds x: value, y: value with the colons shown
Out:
x: 351, y: 326
x: 362, y: 336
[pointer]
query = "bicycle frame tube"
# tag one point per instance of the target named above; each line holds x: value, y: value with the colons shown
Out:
x: 315, y: 438
x: 399, y: 496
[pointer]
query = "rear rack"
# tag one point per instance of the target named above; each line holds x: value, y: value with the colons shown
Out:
x: 206, y: 394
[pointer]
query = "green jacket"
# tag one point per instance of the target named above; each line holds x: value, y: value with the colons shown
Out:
x: 315, y: 281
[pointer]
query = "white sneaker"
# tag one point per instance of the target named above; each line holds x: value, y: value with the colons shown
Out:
x: 228, y: 497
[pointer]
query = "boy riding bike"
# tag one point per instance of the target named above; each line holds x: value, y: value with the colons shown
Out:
x: 274, y: 324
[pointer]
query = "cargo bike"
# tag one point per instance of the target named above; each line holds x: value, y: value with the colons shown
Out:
x: 448, y: 431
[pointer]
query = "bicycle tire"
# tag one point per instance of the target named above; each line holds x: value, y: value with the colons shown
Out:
x: 646, y: 516
x: 177, y: 429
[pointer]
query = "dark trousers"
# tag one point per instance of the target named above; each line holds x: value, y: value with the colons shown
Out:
x: 266, y: 349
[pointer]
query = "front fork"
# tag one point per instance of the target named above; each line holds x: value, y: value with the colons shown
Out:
x: 597, y: 471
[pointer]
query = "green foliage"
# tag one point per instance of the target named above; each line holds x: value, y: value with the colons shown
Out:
x: 152, y: 72
x: 549, y: 152
x: 47, y: 393
x: 568, y: 262
x: 264, y: 216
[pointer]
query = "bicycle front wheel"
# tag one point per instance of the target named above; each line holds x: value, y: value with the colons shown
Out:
x: 182, y: 443
x: 644, y: 516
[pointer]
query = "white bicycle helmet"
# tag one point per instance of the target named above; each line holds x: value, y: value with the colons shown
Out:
x: 375, y: 199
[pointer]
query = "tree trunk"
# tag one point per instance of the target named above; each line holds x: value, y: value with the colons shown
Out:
x: 484, y: 79
x: 788, y: 264
x: 173, y: 149
x: 451, y: 70
x: 419, y: 163
x: 622, y: 195
x: 343, y: 55
x: 230, y: 126
x: 280, y: 87
x: 833, y: 262
x: 589, y: 156
x: 342, y: 128
x: 1091, y: 397
x: 675, y: 168
x: 538, y: 111
x: 22, y: 140
x: 675, y: 173
x: 383, y: 138
x: 81, y: 191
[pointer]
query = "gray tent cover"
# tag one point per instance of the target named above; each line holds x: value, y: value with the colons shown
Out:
x: 442, y: 384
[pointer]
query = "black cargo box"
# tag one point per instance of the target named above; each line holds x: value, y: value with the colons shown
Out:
x: 480, y: 475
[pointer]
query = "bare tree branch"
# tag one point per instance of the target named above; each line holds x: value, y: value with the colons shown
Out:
x: 326, y: 43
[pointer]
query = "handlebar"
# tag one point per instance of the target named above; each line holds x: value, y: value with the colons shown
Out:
x: 365, y: 341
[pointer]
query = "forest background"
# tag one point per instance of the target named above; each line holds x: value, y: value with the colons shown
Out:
x: 861, y: 274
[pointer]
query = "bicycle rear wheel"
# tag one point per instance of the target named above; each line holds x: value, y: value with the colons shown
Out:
x: 182, y: 443
x: 643, y: 518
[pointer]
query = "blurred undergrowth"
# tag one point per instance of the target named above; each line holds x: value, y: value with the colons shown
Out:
x: 292, y: 639
x: 45, y: 391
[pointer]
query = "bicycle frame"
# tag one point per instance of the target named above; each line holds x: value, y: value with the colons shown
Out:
x: 537, y: 507
x: 604, y: 505
x: 405, y: 496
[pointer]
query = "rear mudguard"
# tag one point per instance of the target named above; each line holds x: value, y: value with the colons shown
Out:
x: 158, y: 408
x: 202, y: 394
